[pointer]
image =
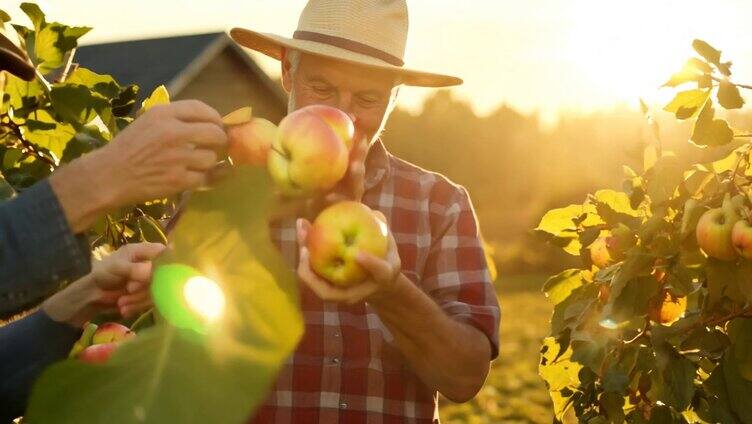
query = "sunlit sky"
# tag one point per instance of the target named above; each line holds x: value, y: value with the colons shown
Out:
x: 535, y: 55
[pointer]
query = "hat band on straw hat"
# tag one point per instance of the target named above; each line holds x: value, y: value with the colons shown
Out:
x: 350, y: 45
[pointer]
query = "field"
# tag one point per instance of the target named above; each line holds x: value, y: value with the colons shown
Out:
x: 514, y: 393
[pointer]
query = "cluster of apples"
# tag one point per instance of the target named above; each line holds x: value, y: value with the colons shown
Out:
x: 98, y: 343
x: 306, y: 155
x: 723, y: 234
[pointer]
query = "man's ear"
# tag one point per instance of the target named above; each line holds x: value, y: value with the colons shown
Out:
x: 286, y: 71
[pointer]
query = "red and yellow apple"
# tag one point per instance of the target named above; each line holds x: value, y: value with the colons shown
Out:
x: 667, y: 308
x: 98, y: 353
x: 338, y: 234
x: 741, y: 238
x: 111, y: 332
x: 249, y: 143
x: 606, y: 250
x: 714, y: 231
x: 310, y: 151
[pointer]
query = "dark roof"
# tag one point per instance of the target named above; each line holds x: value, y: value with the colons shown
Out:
x: 146, y: 63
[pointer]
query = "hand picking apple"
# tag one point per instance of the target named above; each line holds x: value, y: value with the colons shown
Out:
x: 348, y: 254
x: 98, y: 345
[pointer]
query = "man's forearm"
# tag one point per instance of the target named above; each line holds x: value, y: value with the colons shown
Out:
x: 84, y: 191
x: 448, y: 355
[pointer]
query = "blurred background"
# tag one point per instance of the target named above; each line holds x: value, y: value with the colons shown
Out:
x: 548, y: 113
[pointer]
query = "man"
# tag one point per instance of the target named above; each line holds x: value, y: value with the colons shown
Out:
x: 427, y: 319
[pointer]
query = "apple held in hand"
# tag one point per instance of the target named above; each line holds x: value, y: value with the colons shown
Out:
x: 249, y: 143
x: 741, y: 238
x: 311, y: 150
x: 338, y: 234
x: 714, y: 231
x: 111, y: 332
x: 98, y: 353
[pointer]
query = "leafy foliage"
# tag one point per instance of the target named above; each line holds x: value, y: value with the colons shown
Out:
x: 166, y: 374
x: 656, y: 331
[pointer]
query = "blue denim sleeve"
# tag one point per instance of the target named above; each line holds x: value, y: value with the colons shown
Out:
x: 27, y: 347
x: 38, y: 251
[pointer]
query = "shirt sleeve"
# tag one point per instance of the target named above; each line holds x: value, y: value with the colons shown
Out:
x: 27, y: 347
x: 456, y: 274
x: 38, y: 251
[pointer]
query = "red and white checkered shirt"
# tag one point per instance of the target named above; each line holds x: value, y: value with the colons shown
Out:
x: 346, y: 368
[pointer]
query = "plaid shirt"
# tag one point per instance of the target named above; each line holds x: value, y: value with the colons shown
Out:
x: 346, y: 368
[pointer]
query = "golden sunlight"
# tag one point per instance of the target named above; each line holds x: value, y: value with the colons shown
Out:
x: 205, y: 297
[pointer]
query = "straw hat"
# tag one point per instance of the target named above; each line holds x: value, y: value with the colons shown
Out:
x: 14, y: 60
x: 371, y: 33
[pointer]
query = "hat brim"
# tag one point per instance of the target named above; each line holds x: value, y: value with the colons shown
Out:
x: 272, y: 45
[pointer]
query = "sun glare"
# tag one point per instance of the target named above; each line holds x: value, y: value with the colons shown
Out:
x: 205, y: 297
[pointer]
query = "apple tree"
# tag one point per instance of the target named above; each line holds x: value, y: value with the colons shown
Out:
x: 656, y: 325
x: 214, y: 372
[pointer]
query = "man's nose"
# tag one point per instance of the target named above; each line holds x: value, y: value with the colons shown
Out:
x: 345, y: 104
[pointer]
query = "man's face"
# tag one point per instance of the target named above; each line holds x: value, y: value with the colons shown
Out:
x: 361, y: 92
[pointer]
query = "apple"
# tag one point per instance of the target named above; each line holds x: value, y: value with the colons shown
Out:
x: 714, y: 231
x: 111, y: 332
x: 249, y: 142
x: 98, y: 353
x: 606, y: 250
x: 741, y: 238
x: 338, y: 234
x: 667, y: 308
x: 310, y: 152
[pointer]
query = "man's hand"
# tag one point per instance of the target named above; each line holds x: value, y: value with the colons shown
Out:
x: 383, y: 273
x: 117, y: 283
x: 169, y: 149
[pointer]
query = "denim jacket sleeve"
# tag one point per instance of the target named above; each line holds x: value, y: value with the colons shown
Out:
x: 27, y: 347
x: 38, y: 251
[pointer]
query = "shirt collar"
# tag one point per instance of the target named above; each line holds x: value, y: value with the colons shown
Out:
x: 377, y: 165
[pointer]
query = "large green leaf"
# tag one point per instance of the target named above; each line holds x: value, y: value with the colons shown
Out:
x: 709, y: 131
x: 728, y: 95
x: 707, y: 51
x: 170, y: 375
x: 51, y: 41
x: 560, y: 286
x: 686, y: 104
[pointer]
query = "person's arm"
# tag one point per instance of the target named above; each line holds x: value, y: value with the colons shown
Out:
x: 169, y: 149
x: 27, y: 346
x: 447, y: 326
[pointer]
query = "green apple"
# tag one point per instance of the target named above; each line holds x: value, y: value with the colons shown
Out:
x: 310, y: 151
x: 338, y: 234
x: 714, y: 231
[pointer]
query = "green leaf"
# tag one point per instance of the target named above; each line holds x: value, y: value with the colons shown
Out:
x: 159, y: 96
x: 4, y: 17
x: 151, y: 229
x: 167, y: 375
x: 738, y: 389
x: 708, y: 131
x: 46, y: 132
x: 75, y: 104
x: 707, y: 51
x: 740, y: 333
x: 664, y: 178
x: 34, y: 13
x: 560, y: 286
x: 82, y: 142
x: 692, y: 71
x: 673, y: 381
x: 728, y: 95
x: 103, y: 85
x: 686, y: 104
x: 6, y: 191
x: 633, y: 299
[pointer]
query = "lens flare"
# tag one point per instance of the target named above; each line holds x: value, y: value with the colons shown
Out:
x: 205, y: 297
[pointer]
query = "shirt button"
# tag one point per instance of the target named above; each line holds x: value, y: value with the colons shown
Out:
x: 343, y: 405
x: 336, y: 334
x: 335, y: 360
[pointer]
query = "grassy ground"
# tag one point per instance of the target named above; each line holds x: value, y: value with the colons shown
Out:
x: 514, y: 393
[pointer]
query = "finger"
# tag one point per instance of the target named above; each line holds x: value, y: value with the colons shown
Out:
x: 195, y: 111
x: 107, y: 297
x: 302, y: 227
x: 133, y: 298
x: 135, y: 309
x: 114, y: 273
x: 193, y: 179
x: 145, y: 251
x: 379, y: 269
x: 201, y: 160
x: 203, y: 135
x: 392, y: 253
